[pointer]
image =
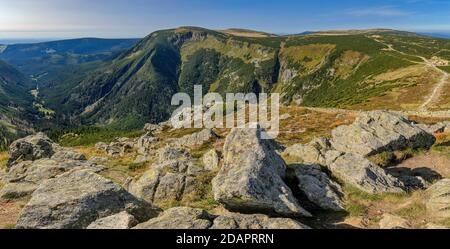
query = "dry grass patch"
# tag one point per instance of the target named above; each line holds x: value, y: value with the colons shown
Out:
x: 9, y: 213
x: 304, y: 125
x: 3, y: 159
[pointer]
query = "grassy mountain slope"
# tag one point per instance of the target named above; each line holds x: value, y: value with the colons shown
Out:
x: 15, y: 103
x: 39, y: 58
x: 348, y: 69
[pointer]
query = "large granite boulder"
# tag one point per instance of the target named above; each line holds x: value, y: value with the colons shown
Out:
x: 77, y: 198
x: 438, y: 199
x: 362, y: 173
x: 254, y: 221
x: 31, y: 148
x: 378, y: 131
x: 319, y: 188
x: 251, y: 178
x: 179, y: 218
x: 23, y: 178
x: 168, y: 180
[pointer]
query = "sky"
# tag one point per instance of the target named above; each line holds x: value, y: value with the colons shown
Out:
x: 45, y: 19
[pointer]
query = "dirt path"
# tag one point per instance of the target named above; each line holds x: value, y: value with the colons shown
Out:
x: 438, y: 88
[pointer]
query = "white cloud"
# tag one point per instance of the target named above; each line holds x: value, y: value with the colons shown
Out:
x: 381, y: 11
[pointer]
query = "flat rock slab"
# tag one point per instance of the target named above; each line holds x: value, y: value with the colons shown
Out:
x: 378, y: 131
x: 122, y: 220
x: 77, y: 198
x: 363, y: 174
x: 179, y: 218
x: 254, y: 221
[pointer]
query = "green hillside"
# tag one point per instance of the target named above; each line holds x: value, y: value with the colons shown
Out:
x: 15, y: 104
x: 355, y: 69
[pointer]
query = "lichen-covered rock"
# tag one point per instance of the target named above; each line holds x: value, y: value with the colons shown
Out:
x: 435, y: 128
x: 377, y: 131
x: 170, y: 187
x: 64, y: 155
x: 254, y: 221
x: 319, y: 188
x: 154, y: 129
x: 144, y: 143
x: 438, y: 199
x: 390, y: 221
x: 31, y: 148
x: 24, y: 177
x: 211, y: 160
x: 179, y: 218
x: 122, y: 220
x: 251, y: 177
x: 362, y: 173
x: 77, y: 198
x: 170, y: 179
x: 311, y: 153
x: 145, y: 186
x: 16, y: 190
x: 196, y: 139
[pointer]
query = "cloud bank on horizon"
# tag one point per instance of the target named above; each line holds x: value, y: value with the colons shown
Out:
x: 136, y: 18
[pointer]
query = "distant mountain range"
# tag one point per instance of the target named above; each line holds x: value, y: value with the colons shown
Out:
x: 126, y: 83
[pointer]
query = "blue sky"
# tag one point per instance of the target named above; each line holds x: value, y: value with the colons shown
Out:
x: 137, y: 18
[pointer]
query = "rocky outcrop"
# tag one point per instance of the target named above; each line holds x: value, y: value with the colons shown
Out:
x: 170, y: 179
x: 77, y: 198
x: 23, y: 178
x: 192, y: 218
x: 118, y: 147
x: 435, y: 128
x: 65, y: 155
x: 144, y: 143
x: 438, y: 199
x: 251, y: 177
x: 211, y: 160
x: 196, y: 139
x: 311, y: 153
x: 122, y: 220
x: 31, y: 148
x: 154, y: 129
x: 378, y: 131
x: 362, y: 173
x: 319, y: 188
x: 254, y: 221
x: 179, y: 218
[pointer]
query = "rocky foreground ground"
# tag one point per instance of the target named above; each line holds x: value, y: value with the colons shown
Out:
x: 234, y: 179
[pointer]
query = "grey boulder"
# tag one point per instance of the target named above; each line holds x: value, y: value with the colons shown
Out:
x: 122, y: 220
x: 438, y: 199
x: 179, y: 218
x: 362, y: 173
x: 378, y: 131
x: 251, y: 177
x: 311, y: 153
x: 319, y: 188
x: 254, y: 221
x: 77, y: 198
x: 31, y: 148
